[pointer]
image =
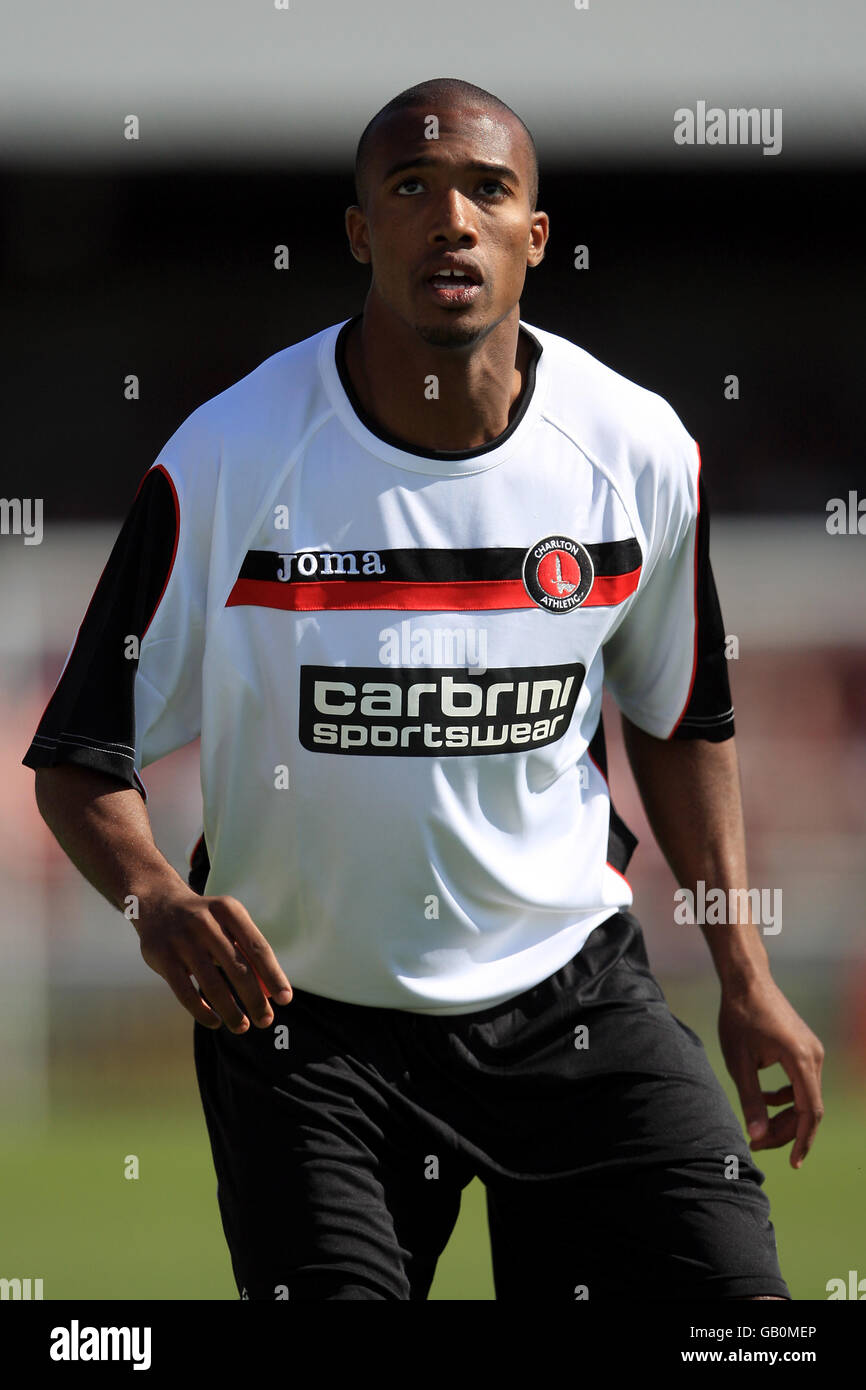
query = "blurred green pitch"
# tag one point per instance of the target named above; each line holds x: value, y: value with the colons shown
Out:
x: 68, y: 1215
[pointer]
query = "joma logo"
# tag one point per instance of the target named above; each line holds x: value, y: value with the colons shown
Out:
x: 305, y: 564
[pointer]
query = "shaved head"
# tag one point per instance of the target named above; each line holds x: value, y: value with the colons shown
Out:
x: 432, y: 96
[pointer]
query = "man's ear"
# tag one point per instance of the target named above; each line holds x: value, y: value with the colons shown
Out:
x: 538, y: 237
x: 356, y: 231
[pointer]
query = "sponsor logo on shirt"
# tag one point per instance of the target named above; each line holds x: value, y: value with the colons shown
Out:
x: 429, y: 713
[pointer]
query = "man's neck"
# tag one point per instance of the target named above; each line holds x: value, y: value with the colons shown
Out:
x: 477, y: 392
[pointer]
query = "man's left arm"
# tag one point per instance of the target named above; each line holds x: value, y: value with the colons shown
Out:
x: 690, y: 790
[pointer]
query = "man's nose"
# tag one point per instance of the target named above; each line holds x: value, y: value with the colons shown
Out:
x: 454, y: 217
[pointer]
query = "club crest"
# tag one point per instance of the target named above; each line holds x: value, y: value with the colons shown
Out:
x: 558, y: 574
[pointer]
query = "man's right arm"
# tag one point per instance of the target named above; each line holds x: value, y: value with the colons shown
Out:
x: 103, y: 827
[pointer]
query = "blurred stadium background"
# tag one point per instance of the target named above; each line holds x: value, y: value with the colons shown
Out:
x: 156, y: 258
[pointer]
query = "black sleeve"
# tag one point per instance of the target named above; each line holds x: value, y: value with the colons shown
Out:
x: 709, y: 710
x: 90, y: 718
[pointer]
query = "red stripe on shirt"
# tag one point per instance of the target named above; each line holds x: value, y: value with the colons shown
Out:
x: 475, y: 595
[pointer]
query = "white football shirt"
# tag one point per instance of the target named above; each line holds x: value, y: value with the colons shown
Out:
x: 395, y: 661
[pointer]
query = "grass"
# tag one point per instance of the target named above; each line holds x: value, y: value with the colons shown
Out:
x: 70, y: 1217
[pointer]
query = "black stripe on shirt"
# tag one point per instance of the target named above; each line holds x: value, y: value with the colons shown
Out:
x: 709, y: 712
x: 621, y: 841
x: 90, y: 718
x: 423, y: 565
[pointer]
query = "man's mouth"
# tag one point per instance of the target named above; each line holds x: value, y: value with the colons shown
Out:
x: 454, y: 287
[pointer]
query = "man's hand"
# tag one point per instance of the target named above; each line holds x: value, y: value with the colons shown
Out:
x: 183, y: 934
x: 103, y: 826
x: 757, y: 1027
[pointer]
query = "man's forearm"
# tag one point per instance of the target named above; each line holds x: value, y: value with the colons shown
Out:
x: 104, y: 828
x: 690, y: 790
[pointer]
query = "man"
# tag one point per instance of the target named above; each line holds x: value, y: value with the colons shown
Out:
x: 384, y: 576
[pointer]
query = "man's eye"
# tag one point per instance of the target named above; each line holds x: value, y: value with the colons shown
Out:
x: 492, y: 184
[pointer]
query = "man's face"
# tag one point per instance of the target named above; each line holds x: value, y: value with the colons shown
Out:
x: 431, y: 200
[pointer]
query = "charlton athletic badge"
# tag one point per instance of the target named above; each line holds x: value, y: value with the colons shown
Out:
x: 558, y: 574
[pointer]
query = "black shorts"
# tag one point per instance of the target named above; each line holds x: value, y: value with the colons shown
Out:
x: 613, y: 1162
